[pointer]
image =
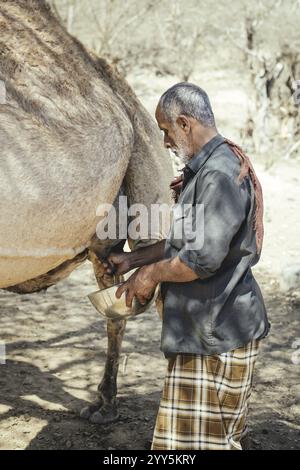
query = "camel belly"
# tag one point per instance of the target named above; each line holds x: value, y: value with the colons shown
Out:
x: 17, y: 270
x: 53, y: 276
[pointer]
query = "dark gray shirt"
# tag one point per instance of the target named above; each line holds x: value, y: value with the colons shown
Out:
x: 223, y: 308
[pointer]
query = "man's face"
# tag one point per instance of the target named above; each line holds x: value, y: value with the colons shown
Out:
x: 176, y: 137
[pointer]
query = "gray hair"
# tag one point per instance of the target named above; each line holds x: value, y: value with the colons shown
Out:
x: 190, y: 100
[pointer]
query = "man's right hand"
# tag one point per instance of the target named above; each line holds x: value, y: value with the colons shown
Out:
x: 119, y: 261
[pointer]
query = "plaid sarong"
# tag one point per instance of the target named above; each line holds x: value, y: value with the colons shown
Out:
x: 205, y: 401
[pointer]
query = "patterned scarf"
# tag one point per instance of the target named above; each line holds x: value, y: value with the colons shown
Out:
x: 246, y: 169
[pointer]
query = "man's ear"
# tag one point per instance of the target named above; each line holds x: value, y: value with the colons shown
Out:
x: 184, y: 123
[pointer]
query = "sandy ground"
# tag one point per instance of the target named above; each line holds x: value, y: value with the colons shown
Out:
x: 55, y: 342
x: 55, y: 345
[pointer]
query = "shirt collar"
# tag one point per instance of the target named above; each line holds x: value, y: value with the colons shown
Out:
x: 200, y: 158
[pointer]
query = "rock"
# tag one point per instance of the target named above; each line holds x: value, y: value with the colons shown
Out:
x: 68, y: 444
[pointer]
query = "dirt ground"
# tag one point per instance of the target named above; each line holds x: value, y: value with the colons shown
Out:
x: 55, y: 345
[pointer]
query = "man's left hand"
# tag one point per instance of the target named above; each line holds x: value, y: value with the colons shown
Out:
x: 141, y: 284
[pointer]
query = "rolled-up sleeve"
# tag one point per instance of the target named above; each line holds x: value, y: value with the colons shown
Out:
x: 220, y: 209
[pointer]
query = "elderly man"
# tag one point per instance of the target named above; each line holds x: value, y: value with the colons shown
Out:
x: 213, y: 311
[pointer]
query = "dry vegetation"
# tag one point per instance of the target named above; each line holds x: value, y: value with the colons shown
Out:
x: 259, y: 40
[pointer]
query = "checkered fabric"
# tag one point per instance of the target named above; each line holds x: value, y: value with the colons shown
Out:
x: 205, y: 401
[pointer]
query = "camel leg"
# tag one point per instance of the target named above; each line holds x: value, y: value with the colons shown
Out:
x: 105, y: 409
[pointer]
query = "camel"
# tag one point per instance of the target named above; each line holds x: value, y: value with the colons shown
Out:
x: 73, y: 135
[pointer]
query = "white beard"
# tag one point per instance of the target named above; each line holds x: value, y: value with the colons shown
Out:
x: 183, y: 157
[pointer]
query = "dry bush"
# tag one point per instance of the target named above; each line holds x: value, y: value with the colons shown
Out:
x: 166, y: 36
x: 259, y: 40
x: 270, y: 43
x: 115, y: 27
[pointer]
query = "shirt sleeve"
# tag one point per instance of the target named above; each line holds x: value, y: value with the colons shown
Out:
x: 219, y: 211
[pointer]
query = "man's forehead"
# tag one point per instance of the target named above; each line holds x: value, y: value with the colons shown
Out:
x: 158, y: 113
x: 161, y: 119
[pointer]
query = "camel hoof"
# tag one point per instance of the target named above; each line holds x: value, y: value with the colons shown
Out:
x: 88, y: 411
x: 104, y: 416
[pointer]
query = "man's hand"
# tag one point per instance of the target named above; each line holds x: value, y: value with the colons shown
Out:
x: 121, y: 262
x: 141, y: 284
